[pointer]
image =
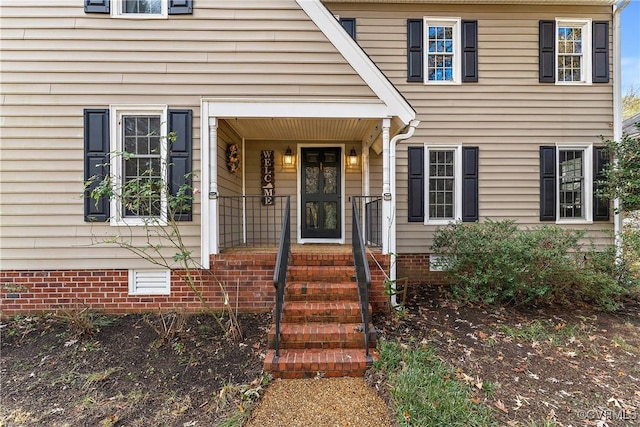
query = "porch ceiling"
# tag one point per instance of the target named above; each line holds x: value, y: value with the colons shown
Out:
x: 306, y: 129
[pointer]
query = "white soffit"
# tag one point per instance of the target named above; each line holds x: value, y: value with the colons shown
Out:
x: 358, y: 59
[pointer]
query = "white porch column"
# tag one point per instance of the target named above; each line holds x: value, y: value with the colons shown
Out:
x: 387, y: 196
x: 213, y: 186
x: 366, y: 187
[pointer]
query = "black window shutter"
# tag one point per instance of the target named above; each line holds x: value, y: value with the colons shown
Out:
x: 180, y: 156
x: 547, y: 52
x: 349, y: 24
x: 96, y: 6
x: 547, y: 183
x: 96, y: 162
x: 601, y: 52
x: 469, y: 51
x: 469, y: 184
x: 180, y: 7
x: 600, y: 206
x: 416, y: 184
x: 415, y: 54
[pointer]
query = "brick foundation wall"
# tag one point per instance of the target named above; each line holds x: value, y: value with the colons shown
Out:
x: 416, y: 268
x: 247, y: 278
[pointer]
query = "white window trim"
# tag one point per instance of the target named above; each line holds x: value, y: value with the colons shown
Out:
x: 457, y: 148
x: 164, y: 289
x: 586, y: 72
x: 117, y: 147
x: 117, y: 11
x: 588, y: 183
x: 457, y: 50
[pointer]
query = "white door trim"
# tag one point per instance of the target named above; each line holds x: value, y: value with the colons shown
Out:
x: 343, y: 188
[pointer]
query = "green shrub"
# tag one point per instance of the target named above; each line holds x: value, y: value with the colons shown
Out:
x: 495, y: 262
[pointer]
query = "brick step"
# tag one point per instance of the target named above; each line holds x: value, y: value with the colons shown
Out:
x: 310, y: 363
x: 322, y: 312
x: 322, y: 291
x: 322, y: 335
x: 306, y: 273
x: 321, y: 259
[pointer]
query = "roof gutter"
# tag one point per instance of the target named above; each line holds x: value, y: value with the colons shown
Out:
x: 617, y: 113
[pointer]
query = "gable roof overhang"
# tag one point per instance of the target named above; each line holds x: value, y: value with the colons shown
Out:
x: 359, y: 60
x: 337, y: 118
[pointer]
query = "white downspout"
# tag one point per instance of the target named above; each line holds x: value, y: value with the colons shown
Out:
x: 214, y: 230
x: 392, y: 188
x: 205, y: 229
x: 617, y: 114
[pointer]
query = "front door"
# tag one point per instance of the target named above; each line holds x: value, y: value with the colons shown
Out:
x: 321, y: 193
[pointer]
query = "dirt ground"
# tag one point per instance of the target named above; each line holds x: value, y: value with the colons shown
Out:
x: 555, y: 366
x: 547, y: 367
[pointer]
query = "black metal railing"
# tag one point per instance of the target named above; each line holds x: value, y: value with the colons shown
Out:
x: 280, y: 272
x: 363, y: 275
x: 247, y: 221
x: 372, y: 208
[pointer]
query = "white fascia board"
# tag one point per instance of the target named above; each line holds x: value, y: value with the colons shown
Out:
x: 358, y: 59
x: 296, y: 107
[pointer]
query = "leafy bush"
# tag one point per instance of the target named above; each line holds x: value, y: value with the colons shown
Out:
x: 497, y: 262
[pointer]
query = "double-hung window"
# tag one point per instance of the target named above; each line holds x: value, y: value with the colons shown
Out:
x: 573, y: 47
x: 444, y: 185
x: 139, y: 163
x: 126, y: 146
x: 574, y: 51
x: 443, y: 50
x: 569, y: 178
x: 572, y: 176
x: 140, y: 8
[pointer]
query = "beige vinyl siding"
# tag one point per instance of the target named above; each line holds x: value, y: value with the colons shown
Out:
x: 57, y: 60
x: 507, y: 114
x: 229, y: 184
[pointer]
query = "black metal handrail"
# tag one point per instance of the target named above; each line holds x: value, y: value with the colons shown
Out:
x: 372, y: 208
x: 363, y: 274
x: 280, y: 272
x: 247, y: 221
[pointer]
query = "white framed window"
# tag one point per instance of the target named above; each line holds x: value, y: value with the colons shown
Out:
x: 139, y: 158
x: 144, y: 9
x: 573, y: 51
x: 574, y: 183
x: 442, y: 50
x: 149, y: 282
x: 443, y: 183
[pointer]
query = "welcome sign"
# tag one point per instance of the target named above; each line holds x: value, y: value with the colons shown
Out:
x: 268, y: 178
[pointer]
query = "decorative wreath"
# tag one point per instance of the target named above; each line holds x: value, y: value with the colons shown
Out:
x: 233, y: 158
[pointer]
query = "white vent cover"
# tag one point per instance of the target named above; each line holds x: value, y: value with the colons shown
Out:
x: 149, y: 282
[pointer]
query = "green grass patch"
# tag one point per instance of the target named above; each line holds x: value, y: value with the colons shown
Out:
x: 425, y: 390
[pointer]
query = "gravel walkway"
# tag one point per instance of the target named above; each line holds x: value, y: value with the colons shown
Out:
x: 326, y: 402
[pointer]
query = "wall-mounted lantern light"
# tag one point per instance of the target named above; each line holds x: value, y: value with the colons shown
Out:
x: 288, y: 159
x: 352, y: 159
